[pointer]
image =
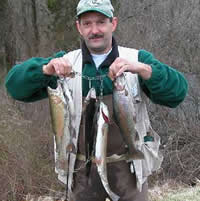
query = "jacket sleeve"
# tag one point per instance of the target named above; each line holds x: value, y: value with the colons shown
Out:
x: 26, y: 81
x: 166, y: 86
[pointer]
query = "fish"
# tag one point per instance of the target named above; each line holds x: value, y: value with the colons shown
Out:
x: 101, y: 148
x: 58, y: 111
x: 124, y: 116
x: 71, y: 108
x: 62, y: 114
x: 89, y: 126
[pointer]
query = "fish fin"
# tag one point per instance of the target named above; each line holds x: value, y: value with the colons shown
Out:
x: 126, y: 92
x: 134, y: 118
x: 98, y: 161
x: 137, y: 138
x: 70, y: 148
x: 137, y: 155
x: 105, y: 117
x: 74, y: 133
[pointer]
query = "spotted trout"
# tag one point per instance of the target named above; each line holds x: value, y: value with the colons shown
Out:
x: 101, y: 148
x: 124, y: 112
x: 61, y: 110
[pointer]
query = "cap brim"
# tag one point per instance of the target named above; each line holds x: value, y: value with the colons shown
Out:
x: 94, y: 10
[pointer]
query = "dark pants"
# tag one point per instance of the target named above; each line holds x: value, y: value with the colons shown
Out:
x: 122, y: 182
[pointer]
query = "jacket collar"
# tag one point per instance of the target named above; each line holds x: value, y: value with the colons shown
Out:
x: 87, y: 58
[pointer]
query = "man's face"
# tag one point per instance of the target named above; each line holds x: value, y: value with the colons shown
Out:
x: 96, y: 30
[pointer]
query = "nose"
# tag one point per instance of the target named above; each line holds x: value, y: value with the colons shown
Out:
x: 94, y: 29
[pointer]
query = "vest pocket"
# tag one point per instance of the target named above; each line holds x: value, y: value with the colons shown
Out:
x: 153, y: 157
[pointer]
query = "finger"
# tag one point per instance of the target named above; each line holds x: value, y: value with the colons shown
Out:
x: 58, y: 69
x: 60, y: 66
x: 112, y: 70
x: 118, y: 60
x: 63, y: 67
x: 111, y: 75
x: 49, y: 69
x: 122, y: 69
x: 67, y: 66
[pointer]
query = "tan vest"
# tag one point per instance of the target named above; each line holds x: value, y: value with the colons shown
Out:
x: 153, y: 158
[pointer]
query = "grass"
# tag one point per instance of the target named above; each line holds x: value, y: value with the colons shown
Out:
x: 164, y: 193
x: 171, y: 192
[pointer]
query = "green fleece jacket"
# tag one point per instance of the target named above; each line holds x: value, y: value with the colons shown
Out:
x: 26, y: 81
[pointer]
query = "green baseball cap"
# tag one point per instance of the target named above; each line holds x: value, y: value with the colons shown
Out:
x: 102, y: 6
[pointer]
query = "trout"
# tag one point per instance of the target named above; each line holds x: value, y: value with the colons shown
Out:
x: 61, y: 110
x: 101, y: 148
x: 124, y: 112
x: 89, y: 119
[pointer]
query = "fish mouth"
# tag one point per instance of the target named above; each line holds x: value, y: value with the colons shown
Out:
x: 119, y: 87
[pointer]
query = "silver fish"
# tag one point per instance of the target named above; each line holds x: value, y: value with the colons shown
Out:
x: 124, y: 112
x: 61, y: 109
x: 101, y: 148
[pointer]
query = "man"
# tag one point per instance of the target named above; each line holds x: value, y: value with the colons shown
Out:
x: 99, y: 56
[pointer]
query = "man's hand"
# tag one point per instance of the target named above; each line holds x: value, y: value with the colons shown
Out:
x: 58, y: 66
x: 121, y: 65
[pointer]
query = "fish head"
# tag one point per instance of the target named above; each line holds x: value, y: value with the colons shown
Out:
x: 93, y: 93
x: 119, y: 83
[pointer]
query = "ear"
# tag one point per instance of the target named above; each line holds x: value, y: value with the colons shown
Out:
x: 78, y: 27
x: 114, y: 23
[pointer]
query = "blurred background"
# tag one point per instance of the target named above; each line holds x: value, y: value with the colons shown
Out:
x: 39, y: 28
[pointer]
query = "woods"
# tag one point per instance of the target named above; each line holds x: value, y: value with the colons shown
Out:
x: 39, y: 28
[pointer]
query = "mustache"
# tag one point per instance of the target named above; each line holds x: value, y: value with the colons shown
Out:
x: 94, y: 36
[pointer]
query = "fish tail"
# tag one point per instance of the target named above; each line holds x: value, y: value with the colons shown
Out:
x: 114, y: 197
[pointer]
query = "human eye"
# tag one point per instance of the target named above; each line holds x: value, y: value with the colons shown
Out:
x: 102, y: 22
x: 86, y: 24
